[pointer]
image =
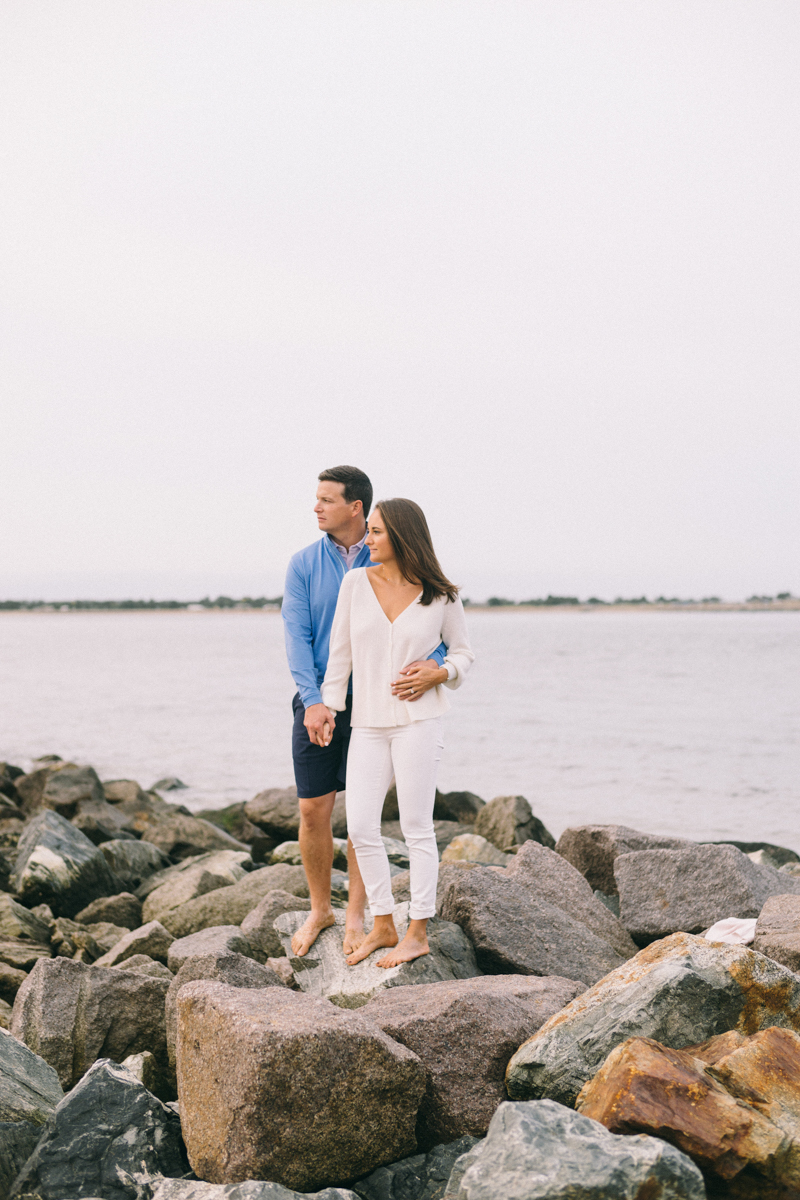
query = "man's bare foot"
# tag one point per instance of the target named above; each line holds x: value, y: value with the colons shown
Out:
x: 374, y: 940
x: 353, y: 934
x: 309, y: 931
x: 409, y: 949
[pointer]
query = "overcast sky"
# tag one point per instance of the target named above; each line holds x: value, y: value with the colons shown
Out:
x: 534, y: 265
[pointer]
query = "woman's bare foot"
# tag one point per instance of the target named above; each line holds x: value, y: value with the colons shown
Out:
x: 382, y: 934
x: 412, y: 946
x: 309, y: 931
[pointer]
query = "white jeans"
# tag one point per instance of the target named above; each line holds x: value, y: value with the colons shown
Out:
x: 411, y: 753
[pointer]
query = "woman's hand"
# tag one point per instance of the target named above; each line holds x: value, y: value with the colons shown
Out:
x: 418, y: 678
x: 319, y: 721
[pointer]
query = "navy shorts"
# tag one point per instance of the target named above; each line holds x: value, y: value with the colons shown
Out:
x: 319, y: 770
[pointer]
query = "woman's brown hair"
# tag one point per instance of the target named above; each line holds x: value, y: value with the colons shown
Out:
x: 411, y: 541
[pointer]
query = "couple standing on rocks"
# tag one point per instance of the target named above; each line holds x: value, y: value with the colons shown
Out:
x: 370, y: 649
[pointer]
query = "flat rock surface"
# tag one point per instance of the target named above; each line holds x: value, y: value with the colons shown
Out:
x: 542, y: 1151
x: 60, y: 866
x: 275, y: 1083
x: 515, y: 931
x: 593, y: 849
x: 324, y: 971
x: 108, y: 1137
x: 230, y: 905
x: 778, y: 930
x: 465, y: 1031
x: 667, y: 891
x: 72, y: 1014
x: 679, y: 992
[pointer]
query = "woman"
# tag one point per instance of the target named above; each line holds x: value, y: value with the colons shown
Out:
x: 389, y: 615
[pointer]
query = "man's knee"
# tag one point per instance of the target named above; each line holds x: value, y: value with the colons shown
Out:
x: 316, y: 812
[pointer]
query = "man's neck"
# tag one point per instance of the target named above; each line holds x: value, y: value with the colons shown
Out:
x: 349, y: 537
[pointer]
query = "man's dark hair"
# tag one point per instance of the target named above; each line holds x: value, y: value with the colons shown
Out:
x: 356, y: 485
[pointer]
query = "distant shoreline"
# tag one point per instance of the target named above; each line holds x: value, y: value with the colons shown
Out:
x: 181, y: 609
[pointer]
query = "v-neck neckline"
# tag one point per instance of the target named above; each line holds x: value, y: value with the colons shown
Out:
x: 380, y: 606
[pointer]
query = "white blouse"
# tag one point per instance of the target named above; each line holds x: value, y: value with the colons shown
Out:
x: 365, y: 642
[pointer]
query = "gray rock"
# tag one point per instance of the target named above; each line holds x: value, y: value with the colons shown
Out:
x: 457, y: 806
x: 593, y: 849
x: 422, y: 1177
x: 117, y: 790
x: 230, y: 905
x: 183, y: 835
x: 397, y: 852
x: 680, y: 992
x: 229, y: 865
x: 109, y: 1137
x: 233, y: 969
x: 444, y: 832
x: 218, y: 939
x: 508, y: 822
x: 471, y: 847
x: 666, y: 891
x: 324, y: 971
x: 170, y: 783
x: 778, y: 931
x: 464, y: 1033
x: 545, y: 874
x: 145, y: 965
x: 59, y: 866
x: 768, y: 852
x: 540, y: 1151
x: 6, y: 1009
x: 183, y: 888
x: 22, y: 954
x: 68, y: 786
x: 276, y: 812
x: 72, y: 1014
x: 124, y: 910
x: 102, y: 822
x: 29, y: 1093
x: 275, y: 1083
x: 516, y: 932
x: 251, y: 1189
x: 11, y: 980
x: 132, y: 862
x: 145, y: 1067
x: 258, y: 926
x: 17, y: 921
x: 151, y: 939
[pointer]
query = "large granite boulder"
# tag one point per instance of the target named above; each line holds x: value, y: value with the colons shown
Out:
x: 547, y: 875
x: 274, y: 1083
x: 667, y: 891
x: 59, y: 787
x: 218, y: 939
x: 680, y: 991
x: 29, y: 1093
x: 182, y: 835
x: 471, y: 847
x: 71, y: 1014
x: 324, y: 970
x: 542, y: 1151
x: 744, y: 1112
x: 203, y: 874
x: 151, y: 939
x: 233, y: 969
x: 593, y: 850
x: 508, y: 822
x: 108, y: 1137
x: 251, y: 1189
x: 421, y: 1177
x: 102, y: 822
x: 464, y: 1032
x: 59, y: 866
x: 144, y: 965
x: 514, y: 931
x: 276, y: 812
x: 258, y: 925
x: 230, y: 905
x: 778, y: 931
x: 123, y: 910
x: 132, y: 862
x: 456, y: 806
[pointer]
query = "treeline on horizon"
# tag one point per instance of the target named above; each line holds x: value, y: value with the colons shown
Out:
x: 274, y: 602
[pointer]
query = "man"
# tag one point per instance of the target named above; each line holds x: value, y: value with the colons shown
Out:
x: 344, y: 500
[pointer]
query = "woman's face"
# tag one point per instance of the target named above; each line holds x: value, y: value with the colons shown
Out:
x: 380, y: 547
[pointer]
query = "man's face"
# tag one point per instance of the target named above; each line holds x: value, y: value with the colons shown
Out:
x: 332, y: 511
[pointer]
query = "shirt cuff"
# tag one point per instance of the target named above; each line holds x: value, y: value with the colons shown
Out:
x: 452, y: 672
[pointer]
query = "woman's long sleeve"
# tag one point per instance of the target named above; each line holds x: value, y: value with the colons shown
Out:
x: 456, y: 638
x: 340, y: 654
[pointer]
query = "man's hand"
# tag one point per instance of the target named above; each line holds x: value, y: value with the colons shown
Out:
x: 418, y: 678
x: 319, y: 721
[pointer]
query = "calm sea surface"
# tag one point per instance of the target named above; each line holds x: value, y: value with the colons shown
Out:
x: 680, y: 723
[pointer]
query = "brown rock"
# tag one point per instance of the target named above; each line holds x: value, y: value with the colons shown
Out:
x: 715, y: 1048
x: 508, y: 822
x: 258, y: 925
x: 277, y: 1085
x: 644, y: 1087
x: 592, y: 850
x: 230, y: 905
x: 118, y: 790
x: 151, y: 939
x: 765, y: 1072
x: 72, y: 1014
x: 276, y: 812
x: 778, y: 931
x: 181, y: 835
x: 11, y: 980
x: 123, y: 910
x: 24, y: 955
x: 464, y: 1032
x: 218, y: 939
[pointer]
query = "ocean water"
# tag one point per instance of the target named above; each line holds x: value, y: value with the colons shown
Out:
x: 683, y: 723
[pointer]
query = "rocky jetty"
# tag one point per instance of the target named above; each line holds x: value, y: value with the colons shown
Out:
x: 571, y: 1033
